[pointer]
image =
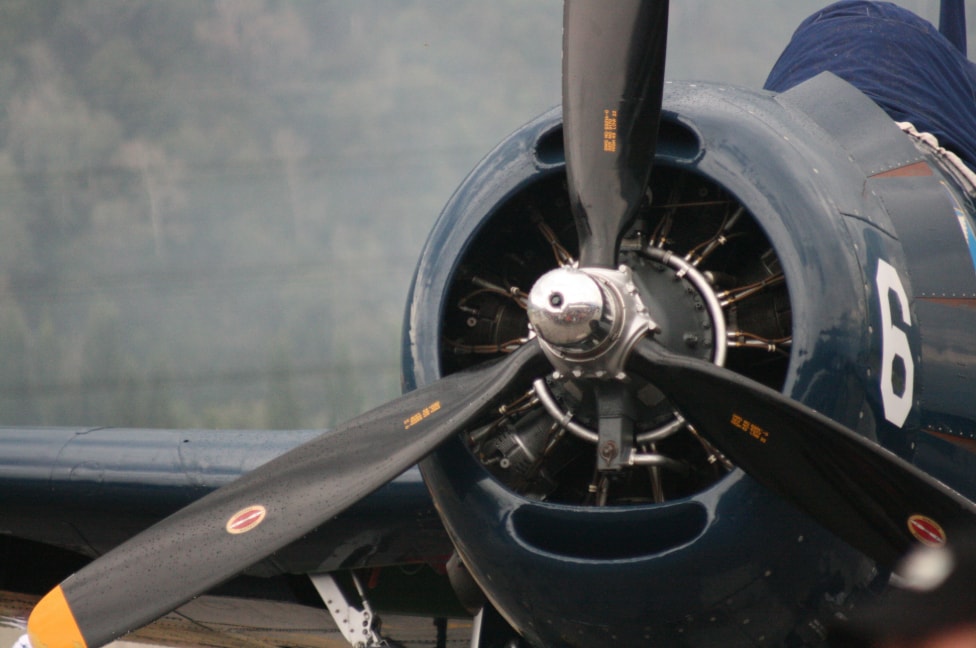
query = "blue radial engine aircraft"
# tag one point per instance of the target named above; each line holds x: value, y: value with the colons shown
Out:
x: 688, y: 364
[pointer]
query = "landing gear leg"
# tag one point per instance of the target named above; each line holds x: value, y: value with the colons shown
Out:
x: 357, y: 622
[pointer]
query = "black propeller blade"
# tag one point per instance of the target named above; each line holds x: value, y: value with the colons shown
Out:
x: 613, y: 79
x: 232, y: 528
x: 868, y: 496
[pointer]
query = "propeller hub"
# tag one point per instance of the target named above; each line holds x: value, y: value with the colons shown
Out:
x: 588, y: 319
x: 566, y: 307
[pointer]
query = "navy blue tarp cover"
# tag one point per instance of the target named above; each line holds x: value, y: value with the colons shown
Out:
x: 899, y: 60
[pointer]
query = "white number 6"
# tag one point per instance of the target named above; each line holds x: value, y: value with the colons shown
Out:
x: 895, y: 397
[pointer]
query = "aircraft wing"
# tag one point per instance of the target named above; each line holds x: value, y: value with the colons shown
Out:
x: 68, y: 495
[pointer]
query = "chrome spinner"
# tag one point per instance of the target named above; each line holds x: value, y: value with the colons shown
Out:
x: 588, y: 319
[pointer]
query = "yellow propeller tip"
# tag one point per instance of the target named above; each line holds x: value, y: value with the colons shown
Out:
x: 52, y: 624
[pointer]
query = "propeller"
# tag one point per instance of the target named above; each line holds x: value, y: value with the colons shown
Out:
x: 613, y: 80
x: 234, y: 527
x: 866, y: 495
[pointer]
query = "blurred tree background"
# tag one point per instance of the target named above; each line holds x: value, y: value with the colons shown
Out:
x: 210, y: 210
